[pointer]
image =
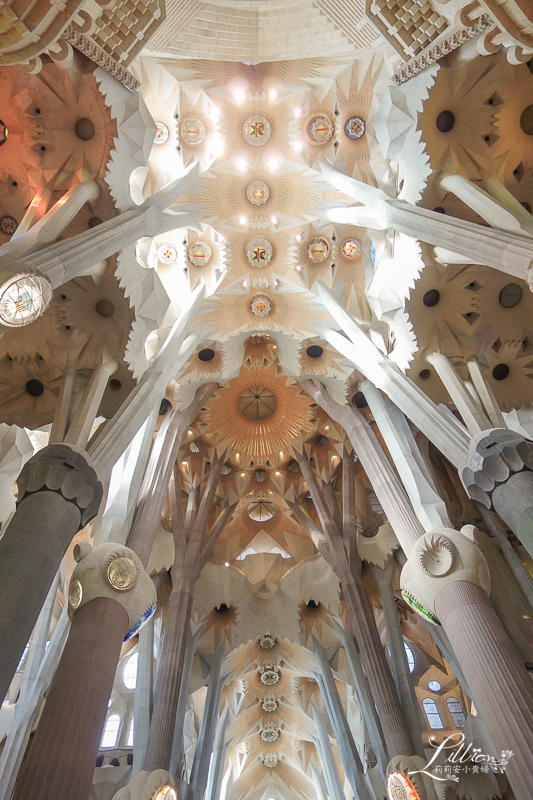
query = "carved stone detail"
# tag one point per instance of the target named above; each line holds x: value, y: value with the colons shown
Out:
x: 439, y: 557
x: 493, y: 456
x: 59, y: 468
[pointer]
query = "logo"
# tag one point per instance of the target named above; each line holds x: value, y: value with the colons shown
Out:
x: 461, y: 758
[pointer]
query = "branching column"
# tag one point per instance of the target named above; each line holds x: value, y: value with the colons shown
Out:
x: 373, y: 657
x: 193, y: 546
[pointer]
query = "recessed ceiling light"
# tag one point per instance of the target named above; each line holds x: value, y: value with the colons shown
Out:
x: 297, y: 112
x: 241, y: 164
x: 272, y: 164
x: 239, y: 95
x: 242, y: 220
x: 298, y: 146
x: 272, y: 94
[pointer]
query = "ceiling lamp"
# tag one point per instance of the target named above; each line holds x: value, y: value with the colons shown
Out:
x: 24, y: 296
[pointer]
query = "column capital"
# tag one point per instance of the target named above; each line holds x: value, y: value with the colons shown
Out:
x: 441, y: 557
x: 493, y: 456
x: 66, y: 470
x: 113, y: 571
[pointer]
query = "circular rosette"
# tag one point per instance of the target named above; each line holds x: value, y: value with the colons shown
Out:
x: 75, y: 594
x: 267, y: 640
x: 350, y: 248
x: 122, y: 573
x: 270, y: 760
x: 260, y: 306
x: 269, y: 676
x: 269, y: 704
x: 318, y: 250
x: 23, y: 298
x: 354, y: 127
x: 259, y: 252
x: 320, y: 129
x: 167, y: 253
x: 269, y: 734
x: 199, y: 254
x: 437, y: 557
x: 399, y: 787
x: 165, y: 793
x: 192, y: 131
x: 8, y: 225
x: 161, y: 133
x: 258, y: 193
x: 256, y: 130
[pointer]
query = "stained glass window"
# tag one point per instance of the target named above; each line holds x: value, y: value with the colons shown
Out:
x: 432, y: 713
x: 130, y: 671
x: 456, y: 711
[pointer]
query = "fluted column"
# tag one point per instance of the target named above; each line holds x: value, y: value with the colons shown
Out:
x: 502, y: 687
x: 447, y: 578
x: 109, y: 594
x: 59, y: 493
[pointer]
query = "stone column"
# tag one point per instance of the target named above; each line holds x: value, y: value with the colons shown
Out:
x: 181, y: 709
x: 59, y: 493
x: 110, y: 593
x: 499, y: 475
x: 448, y: 578
x: 402, y: 677
x: 216, y: 770
x: 327, y: 759
x: 143, y: 700
x: 351, y: 759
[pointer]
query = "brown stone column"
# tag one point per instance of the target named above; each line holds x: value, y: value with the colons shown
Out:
x: 501, y: 686
x: 61, y: 760
x: 169, y: 681
x: 59, y: 493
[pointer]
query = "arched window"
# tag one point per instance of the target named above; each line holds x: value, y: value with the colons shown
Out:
x: 456, y: 711
x: 410, y: 657
x: 129, y: 743
x: 432, y: 713
x: 109, y: 739
x: 130, y: 671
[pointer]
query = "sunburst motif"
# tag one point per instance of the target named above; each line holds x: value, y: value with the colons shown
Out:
x: 258, y: 437
x: 220, y: 620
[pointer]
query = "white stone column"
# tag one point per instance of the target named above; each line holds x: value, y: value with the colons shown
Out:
x: 327, y: 760
x: 143, y: 700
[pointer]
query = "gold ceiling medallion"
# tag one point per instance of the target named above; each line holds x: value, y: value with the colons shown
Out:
x: 269, y: 675
x: 258, y: 193
x: 269, y: 734
x: 350, y: 248
x: 270, y: 760
x: 269, y: 703
x: 259, y: 251
x: 199, y: 254
x: 192, y: 131
x: 75, y: 594
x: 260, y: 306
x: 256, y: 130
x: 318, y: 250
x: 267, y: 641
x: 320, y: 129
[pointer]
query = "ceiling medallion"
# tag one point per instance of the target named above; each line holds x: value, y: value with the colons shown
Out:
x: 318, y: 250
x: 8, y: 225
x: 23, y: 298
x: 199, y: 254
x: 260, y: 306
x: 256, y: 130
x: 167, y: 253
x: 259, y: 251
x: 270, y: 760
x: 399, y: 787
x: 269, y: 704
x: 122, y: 574
x: 269, y: 676
x: 269, y: 734
x: 267, y: 641
x: 192, y: 131
x: 258, y: 193
x: 161, y: 133
x: 354, y: 127
x: 320, y: 129
x: 165, y: 793
x: 350, y: 248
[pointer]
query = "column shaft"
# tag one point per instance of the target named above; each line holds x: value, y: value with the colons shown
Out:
x: 31, y: 550
x: 61, y: 760
x: 143, y: 701
x: 168, y: 681
x: 500, y: 684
